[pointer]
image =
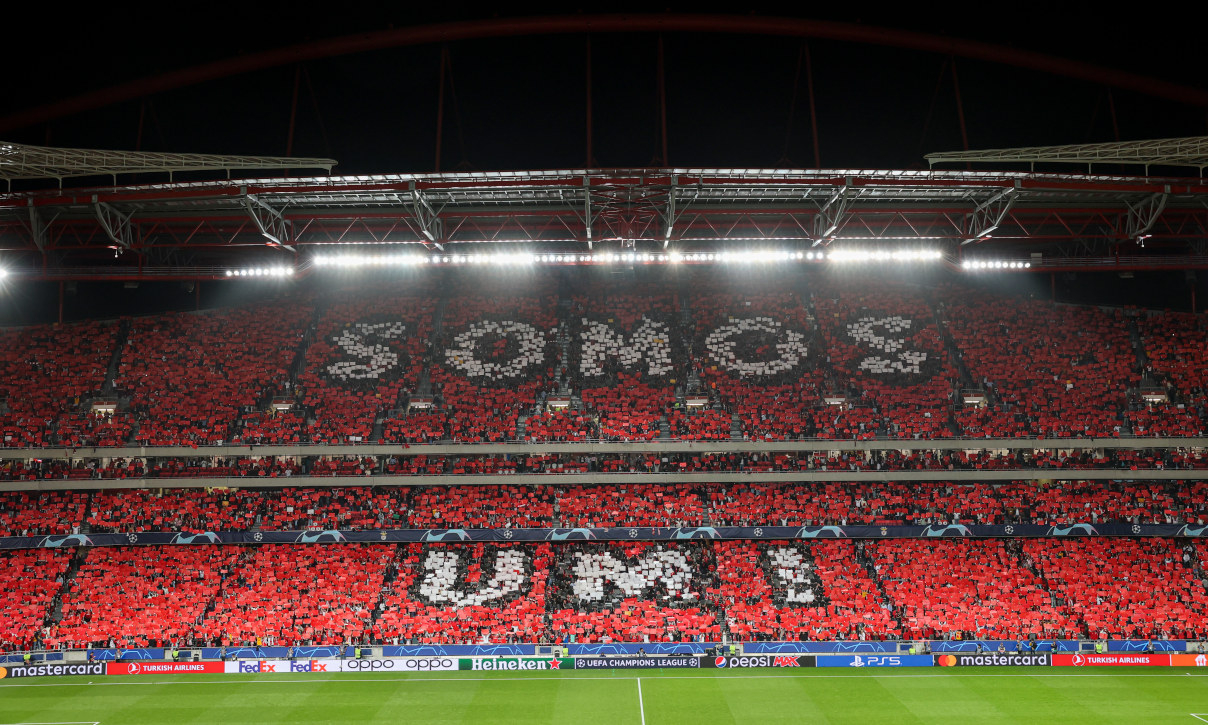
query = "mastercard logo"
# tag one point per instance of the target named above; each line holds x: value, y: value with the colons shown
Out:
x: 3, y: 672
x: 947, y: 660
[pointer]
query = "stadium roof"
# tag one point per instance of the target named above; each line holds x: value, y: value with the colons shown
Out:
x: 230, y: 222
x: 1191, y: 151
x: 18, y: 161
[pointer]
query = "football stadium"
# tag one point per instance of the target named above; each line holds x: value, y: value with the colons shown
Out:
x: 822, y: 423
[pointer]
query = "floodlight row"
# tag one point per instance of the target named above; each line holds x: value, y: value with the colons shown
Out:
x: 261, y: 272
x: 523, y: 258
x: 978, y: 265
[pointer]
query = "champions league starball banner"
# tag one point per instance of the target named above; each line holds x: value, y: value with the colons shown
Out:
x: 635, y: 533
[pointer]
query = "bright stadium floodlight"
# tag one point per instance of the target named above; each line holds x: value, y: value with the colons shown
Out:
x: 981, y: 265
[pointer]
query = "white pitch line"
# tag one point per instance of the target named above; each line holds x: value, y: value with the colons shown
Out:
x: 251, y: 681
x: 641, y: 707
x: 1196, y: 715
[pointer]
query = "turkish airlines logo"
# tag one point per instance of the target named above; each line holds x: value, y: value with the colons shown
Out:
x: 1078, y: 660
x: 134, y: 668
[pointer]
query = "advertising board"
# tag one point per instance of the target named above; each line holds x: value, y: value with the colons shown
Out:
x: 744, y: 661
x: 1139, y: 659
x: 875, y: 661
x: 995, y: 659
x: 52, y: 670
x: 164, y: 668
x: 516, y: 663
x: 636, y: 663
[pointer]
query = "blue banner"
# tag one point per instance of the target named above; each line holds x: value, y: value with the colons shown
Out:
x: 257, y: 653
x: 779, y: 648
x: 152, y: 653
x: 633, y: 648
x: 459, y: 650
x: 427, y: 536
x: 875, y: 661
x: 1008, y: 645
x: 1142, y: 645
x: 35, y: 657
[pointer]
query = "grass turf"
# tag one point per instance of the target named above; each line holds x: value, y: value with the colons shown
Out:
x: 975, y: 695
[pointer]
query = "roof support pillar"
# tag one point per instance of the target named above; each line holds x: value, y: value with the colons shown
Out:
x: 989, y: 214
x: 118, y: 226
x: 1142, y: 215
x: 833, y: 213
x: 270, y: 222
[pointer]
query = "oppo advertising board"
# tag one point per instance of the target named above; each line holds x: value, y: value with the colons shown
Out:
x: 389, y: 664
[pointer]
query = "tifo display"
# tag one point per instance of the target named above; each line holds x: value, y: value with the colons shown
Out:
x: 633, y: 364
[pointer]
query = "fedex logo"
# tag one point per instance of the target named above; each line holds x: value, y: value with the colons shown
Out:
x: 310, y: 666
x: 261, y: 666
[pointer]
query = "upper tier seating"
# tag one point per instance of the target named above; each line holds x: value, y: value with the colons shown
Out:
x: 191, y: 377
x: 367, y: 354
x: 1055, y: 372
x: 752, y: 352
x: 626, y: 358
x: 495, y: 355
x: 47, y: 372
x: 886, y: 351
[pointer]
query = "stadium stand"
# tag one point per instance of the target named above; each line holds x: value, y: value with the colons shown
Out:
x: 192, y: 378
x: 31, y: 580
x: 444, y: 594
x: 48, y: 372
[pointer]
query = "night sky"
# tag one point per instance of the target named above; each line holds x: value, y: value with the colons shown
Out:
x: 519, y: 103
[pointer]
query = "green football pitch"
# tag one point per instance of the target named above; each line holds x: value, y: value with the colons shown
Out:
x: 974, y: 695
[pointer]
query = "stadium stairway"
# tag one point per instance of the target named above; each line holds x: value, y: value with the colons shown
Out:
x: 388, y: 578
x: 1138, y: 345
x: 119, y: 344
x: 864, y: 560
x: 1014, y: 547
x: 54, y: 613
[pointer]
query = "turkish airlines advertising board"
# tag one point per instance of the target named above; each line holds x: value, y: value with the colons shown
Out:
x: 1121, y: 659
x: 163, y: 668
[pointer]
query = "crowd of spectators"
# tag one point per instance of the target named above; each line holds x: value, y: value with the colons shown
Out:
x: 821, y: 589
x: 1051, y: 371
x: 191, y: 381
x: 365, y: 356
x: 917, y: 503
x: 887, y: 354
x: 47, y: 373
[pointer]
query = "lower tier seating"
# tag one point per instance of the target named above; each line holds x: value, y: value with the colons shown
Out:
x: 593, y: 591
